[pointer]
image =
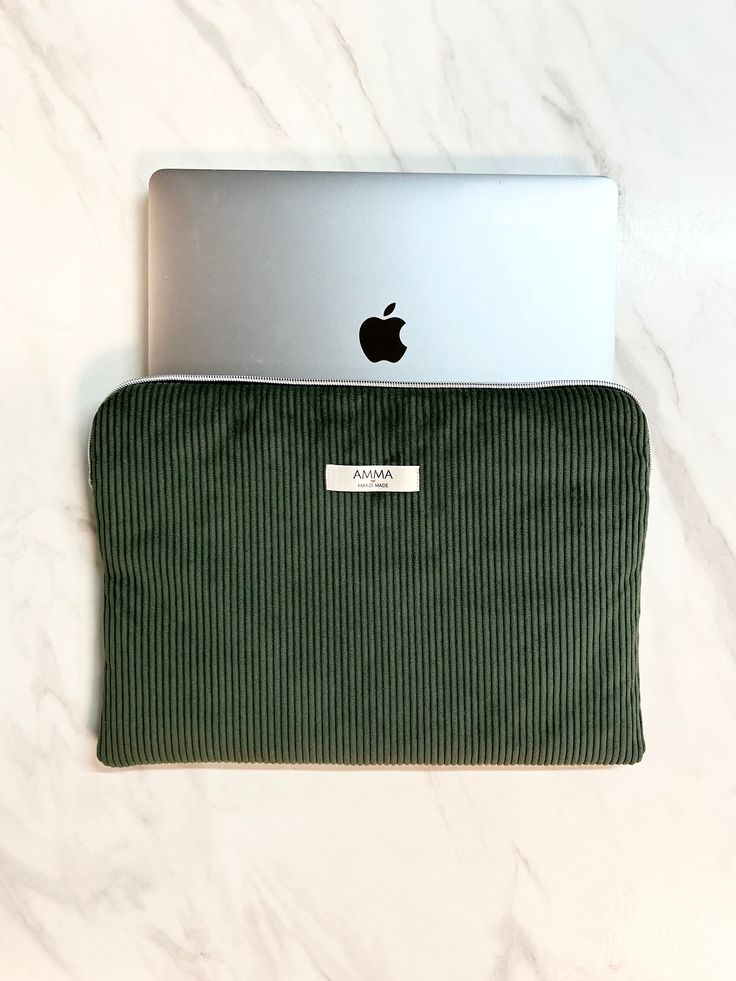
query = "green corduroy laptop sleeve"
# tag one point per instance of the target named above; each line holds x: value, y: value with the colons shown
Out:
x: 370, y: 574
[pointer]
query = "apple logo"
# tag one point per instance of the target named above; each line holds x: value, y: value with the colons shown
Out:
x: 380, y: 339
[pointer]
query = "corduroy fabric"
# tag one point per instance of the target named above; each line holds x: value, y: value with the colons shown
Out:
x: 252, y: 615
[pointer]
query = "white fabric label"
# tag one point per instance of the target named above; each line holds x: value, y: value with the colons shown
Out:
x: 371, y: 477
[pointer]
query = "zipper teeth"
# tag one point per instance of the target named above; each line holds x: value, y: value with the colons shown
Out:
x: 365, y: 383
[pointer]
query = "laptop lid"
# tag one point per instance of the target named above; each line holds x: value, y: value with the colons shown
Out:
x: 406, y: 277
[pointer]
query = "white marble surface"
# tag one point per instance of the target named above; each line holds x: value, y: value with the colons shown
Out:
x: 298, y: 874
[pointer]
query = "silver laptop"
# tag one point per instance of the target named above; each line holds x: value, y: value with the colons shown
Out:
x: 406, y: 277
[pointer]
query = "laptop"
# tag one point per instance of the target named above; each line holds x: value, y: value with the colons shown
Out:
x: 382, y: 276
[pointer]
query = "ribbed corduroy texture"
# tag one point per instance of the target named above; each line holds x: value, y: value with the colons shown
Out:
x: 251, y: 615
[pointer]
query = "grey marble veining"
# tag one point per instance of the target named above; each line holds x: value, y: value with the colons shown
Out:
x: 251, y: 873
